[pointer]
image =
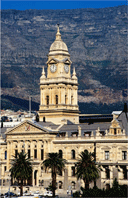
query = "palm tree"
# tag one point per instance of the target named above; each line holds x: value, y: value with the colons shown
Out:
x: 56, y: 164
x: 21, y: 169
x: 86, y: 168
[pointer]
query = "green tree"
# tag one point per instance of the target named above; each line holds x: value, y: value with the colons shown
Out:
x: 86, y: 168
x: 56, y: 164
x: 21, y: 169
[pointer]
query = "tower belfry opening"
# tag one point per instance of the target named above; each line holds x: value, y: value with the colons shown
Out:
x: 58, y: 90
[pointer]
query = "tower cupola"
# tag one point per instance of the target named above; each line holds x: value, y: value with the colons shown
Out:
x: 58, y: 46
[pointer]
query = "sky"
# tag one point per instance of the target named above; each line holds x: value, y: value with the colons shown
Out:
x: 31, y: 4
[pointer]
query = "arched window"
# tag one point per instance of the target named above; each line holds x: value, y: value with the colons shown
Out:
x: 56, y: 99
x: 43, y: 119
x: 65, y: 99
x: 73, y: 154
x: 61, y: 154
x: 71, y: 99
x: 47, y: 100
x: 60, y: 184
x: 73, y: 171
x: 60, y: 172
x: 5, y: 155
x: 73, y: 185
x: 114, y: 131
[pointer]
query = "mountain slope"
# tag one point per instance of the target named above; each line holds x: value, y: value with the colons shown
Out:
x: 96, y: 39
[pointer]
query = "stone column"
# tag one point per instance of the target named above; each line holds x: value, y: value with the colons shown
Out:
x: 38, y: 150
x: 8, y: 153
x: 50, y: 96
x: 45, y: 149
x: 103, y: 177
x: 75, y: 94
x: 33, y: 177
x: 111, y: 175
x: 37, y: 177
x: 115, y: 173
x: 41, y: 96
x: 32, y: 149
x: 62, y: 94
x: 69, y: 95
x: 65, y: 178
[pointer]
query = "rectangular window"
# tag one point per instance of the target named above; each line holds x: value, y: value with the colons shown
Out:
x: 28, y: 153
x: 3, y: 182
x: 106, y: 155
x: 114, y: 131
x: 124, y: 155
x: 60, y: 172
x: 124, y: 172
x: 5, y: 168
x: 16, y: 152
x: 42, y: 154
x: 73, y: 171
x: 107, y: 171
x: 5, y: 156
x: 35, y: 153
x: 56, y: 99
x: 47, y: 100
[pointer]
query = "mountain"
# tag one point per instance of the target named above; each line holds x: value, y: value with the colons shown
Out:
x: 96, y: 39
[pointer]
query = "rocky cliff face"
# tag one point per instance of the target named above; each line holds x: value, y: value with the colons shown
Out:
x: 96, y: 39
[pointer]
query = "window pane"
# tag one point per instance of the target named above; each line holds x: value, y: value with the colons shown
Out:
x: 107, y: 155
x: 56, y: 99
x: 16, y: 152
x: 73, y: 171
x: 60, y: 154
x: 5, y: 155
x: 35, y: 153
x: 47, y: 100
x: 42, y: 154
x: 28, y: 153
x: 73, y: 154
x: 124, y: 155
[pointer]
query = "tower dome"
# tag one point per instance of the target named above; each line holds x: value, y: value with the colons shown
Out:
x: 58, y: 46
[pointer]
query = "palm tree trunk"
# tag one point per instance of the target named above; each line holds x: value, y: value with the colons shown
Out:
x: 21, y: 188
x: 54, y: 182
x: 86, y: 184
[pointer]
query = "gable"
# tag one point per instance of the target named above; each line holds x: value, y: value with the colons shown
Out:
x: 67, y: 62
x: 52, y: 61
x: 115, y: 124
x: 26, y: 127
x: 105, y: 148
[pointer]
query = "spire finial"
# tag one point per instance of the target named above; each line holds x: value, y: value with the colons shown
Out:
x: 74, y: 74
x: 58, y: 35
x: 43, y: 73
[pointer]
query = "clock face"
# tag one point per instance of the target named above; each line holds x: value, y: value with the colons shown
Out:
x: 66, y: 68
x: 53, y: 68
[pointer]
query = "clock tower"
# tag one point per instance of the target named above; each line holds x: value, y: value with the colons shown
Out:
x: 58, y: 91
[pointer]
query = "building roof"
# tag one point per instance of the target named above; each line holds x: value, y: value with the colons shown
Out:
x: 58, y: 46
x: 123, y: 120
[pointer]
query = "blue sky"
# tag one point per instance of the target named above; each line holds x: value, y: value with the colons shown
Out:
x: 24, y: 5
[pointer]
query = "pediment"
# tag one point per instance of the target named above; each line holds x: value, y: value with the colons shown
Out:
x: 115, y: 123
x: 52, y: 61
x: 26, y: 127
x: 67, y: 62
x: 106, y: 148
x: 123, y: 148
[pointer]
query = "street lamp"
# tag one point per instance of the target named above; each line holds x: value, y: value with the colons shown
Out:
x: 30, y: 105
